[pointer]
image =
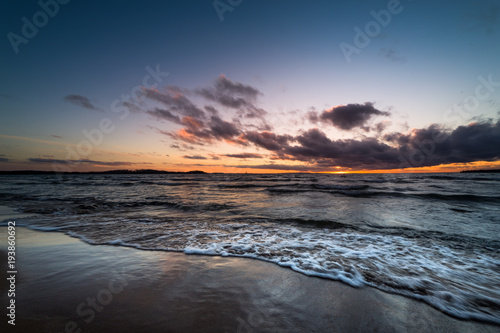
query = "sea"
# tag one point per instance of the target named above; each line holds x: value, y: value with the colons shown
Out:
x: 432, y: 237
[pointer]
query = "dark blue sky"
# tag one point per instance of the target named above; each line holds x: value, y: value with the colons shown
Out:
x: 427, y: 59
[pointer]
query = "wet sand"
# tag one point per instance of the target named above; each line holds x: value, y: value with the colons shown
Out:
x: 64, y: 284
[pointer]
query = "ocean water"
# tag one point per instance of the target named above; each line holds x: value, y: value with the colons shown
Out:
x: 433, y: 237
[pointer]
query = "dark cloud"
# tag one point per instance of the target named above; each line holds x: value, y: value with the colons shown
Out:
x: 312, y: 116
x: 195, y: 157
x: 244, y: 155
x: 380, y: 127
x: 429, y: 146
x: 205, y: 125
x: 211, y: 110
x: 237, y: 96
x: 478, y: 141
x: 132, y: 107
x: 214, y: 157
x: 315, y: 146
x: 397, y: 138
x: 347, y: 117
x: 175, y: 102
x: 184, y: 135
x: 56, y: 136
x: 164, y: 115
x: 83, y: 161
x: 283, y: 167
x: 49, y: 160
x: 221, y: 129
x: 3, y: 159
x: 436, y: 145
x: 267, y: 140
x: 230, y: 94
x: 200, y: 132
x: 260, y: 127
x: 82, y: 101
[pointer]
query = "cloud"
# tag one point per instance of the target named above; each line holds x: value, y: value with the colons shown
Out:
x: 391, y: 55
x: 381, y: 126
x: 267, y: 140
x: 315, y: 146
x: 132, y: 107
x: 199, y: 132
x: 56, y: 136
x: 82, y: 161
x: 237, y: 96
x: 283, y: 167
x: 230, y: 94
x: 164, y: 115
x: 175, y: 101
x: 436, y: 145
x: 221, y: 129
x: 214, y: 157
x: 243, y: 155
x: 182, y: 147
x: 195, y: 157
x: 82, y: 101
x: 205, y: 125
x: 3, y: 159
x: 312, y: 116
x: 199, y: 128
x: 347, y: 117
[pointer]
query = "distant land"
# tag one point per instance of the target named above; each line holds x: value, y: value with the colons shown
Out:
x: 481, y: 171
x: 154, y: 172
x: 114, y: 172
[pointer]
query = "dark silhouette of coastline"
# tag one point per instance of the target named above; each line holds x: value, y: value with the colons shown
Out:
x: 110, y: 172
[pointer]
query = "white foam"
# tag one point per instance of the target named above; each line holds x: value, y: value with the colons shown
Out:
x: 441, y: 276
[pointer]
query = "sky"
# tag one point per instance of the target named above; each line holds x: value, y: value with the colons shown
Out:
x: 250, y: 86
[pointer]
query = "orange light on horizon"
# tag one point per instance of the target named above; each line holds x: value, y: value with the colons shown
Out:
x: 222, y: 166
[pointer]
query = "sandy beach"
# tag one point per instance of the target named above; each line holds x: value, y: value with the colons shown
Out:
x: 64, y: 284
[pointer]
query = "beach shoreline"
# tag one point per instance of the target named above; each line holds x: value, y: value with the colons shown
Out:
x: 64, y: 284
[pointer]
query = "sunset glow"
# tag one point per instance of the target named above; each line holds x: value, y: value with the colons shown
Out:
x: 220, y: 96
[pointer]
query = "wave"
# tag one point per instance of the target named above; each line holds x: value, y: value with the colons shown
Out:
x: 340, y: 187
x: 260, y: 185
x: 461, y: 177
x: 458, y: 197
x: 375, y: 180
x: 366, y: 191
x: 93, y: 206
x: 437, y: 274
x: 248, y: 215
x: 172, y: 184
